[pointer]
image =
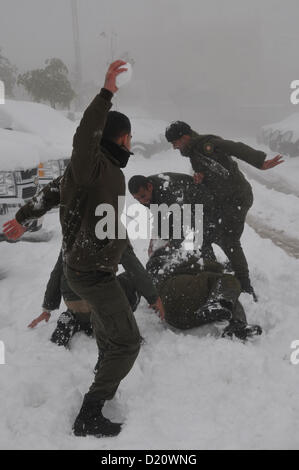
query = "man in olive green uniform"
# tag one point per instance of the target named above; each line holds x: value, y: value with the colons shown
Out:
x: 211, y: 160
x: 195, y: 293
x: 78, y: 317
x: 101, y: 148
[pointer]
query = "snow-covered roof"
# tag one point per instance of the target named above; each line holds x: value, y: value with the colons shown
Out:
x: 39, y: 119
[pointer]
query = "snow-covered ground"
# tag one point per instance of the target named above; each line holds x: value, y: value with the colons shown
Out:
x: 187, y: 390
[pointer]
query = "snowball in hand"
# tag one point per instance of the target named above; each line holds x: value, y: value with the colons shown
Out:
x: 124, y: 77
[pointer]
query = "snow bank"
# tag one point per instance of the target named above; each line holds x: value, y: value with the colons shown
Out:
x: 187, y: 390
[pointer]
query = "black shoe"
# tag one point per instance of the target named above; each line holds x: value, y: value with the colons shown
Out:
x: 214, y: 311
x: 86, y: 327
x: 241, y: 330
x: 67, y: 326
x: 91, y: 422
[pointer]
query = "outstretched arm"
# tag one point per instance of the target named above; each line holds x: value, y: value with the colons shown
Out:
x: 52, y: 296
x: 241, y: 151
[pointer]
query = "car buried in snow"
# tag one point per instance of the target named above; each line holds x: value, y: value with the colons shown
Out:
x: 19, y: 158
x: 47, y: 124
x: 282, y: 137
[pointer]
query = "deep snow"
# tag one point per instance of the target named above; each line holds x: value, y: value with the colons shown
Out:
x: 187, y: 390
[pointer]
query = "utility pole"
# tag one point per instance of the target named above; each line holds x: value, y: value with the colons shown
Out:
x: 78, y: 63
x: 111, y: 51
x: 111, y: 45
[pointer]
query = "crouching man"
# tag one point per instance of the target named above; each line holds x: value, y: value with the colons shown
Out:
x: 194, y: 294
x: 135, y: 281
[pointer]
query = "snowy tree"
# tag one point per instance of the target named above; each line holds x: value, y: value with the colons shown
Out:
x: 49, y: 84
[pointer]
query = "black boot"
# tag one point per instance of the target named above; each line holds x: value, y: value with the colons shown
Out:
x: 67, y: 326
x: 241, y: 330
x: 86, y: 327
x: 91, y: 422
x: 214, y: 310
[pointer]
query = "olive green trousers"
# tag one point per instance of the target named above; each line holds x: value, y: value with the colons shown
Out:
x: 114, y: 326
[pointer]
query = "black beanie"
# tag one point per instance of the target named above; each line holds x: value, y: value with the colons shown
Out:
x: 117, y: 124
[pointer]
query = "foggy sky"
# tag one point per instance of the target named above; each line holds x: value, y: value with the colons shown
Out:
x: 213, y: 56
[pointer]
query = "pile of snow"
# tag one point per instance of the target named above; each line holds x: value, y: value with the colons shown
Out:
x: 39, y: 119
x: 187, y: 389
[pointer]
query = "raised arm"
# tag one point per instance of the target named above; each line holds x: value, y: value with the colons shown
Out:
x: 85, y: 162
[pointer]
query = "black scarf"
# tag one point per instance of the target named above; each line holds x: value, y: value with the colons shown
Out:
x: 121, y: 154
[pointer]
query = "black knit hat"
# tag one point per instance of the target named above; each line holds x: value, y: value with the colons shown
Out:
x: 117, y: 124
x: 176, y: 130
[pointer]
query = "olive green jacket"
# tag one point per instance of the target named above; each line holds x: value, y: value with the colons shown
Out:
x: 212, y: 156
x: 92, y: 178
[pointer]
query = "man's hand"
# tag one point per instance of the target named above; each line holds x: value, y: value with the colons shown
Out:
x: 158, y: 307
x: 45, y: 316
x: 114, y: 69
x: 198, y: 177
x: 272, y: 163
x: 13, y: 230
